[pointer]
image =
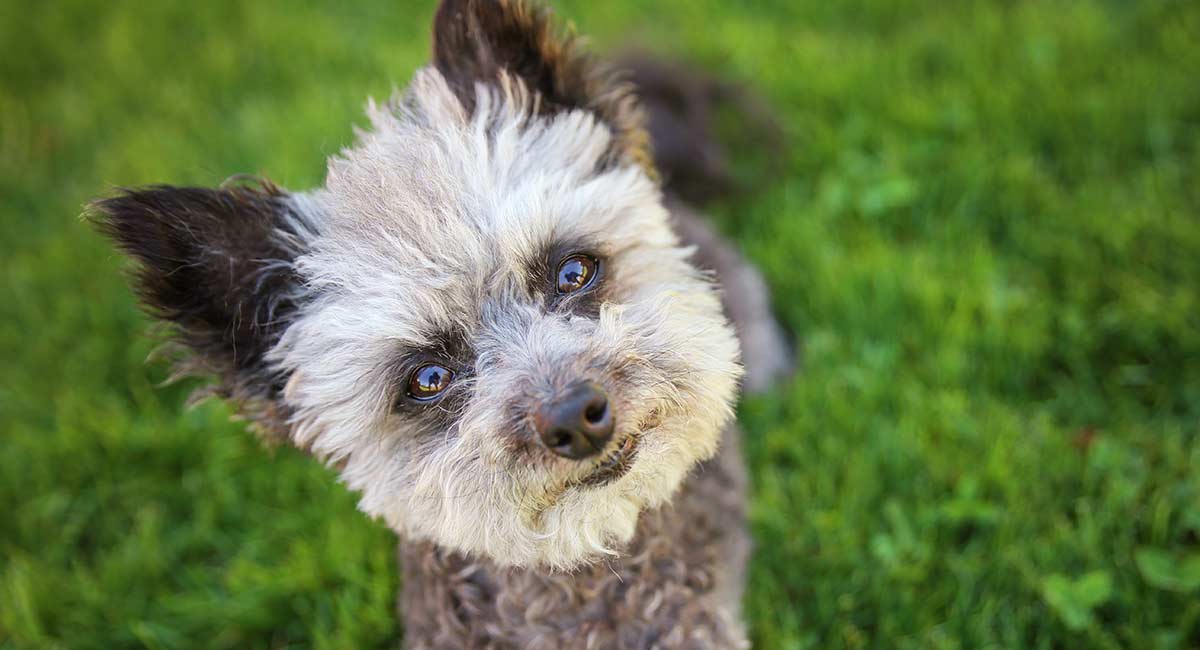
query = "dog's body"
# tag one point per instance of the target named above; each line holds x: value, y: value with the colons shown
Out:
x: 505, y: 336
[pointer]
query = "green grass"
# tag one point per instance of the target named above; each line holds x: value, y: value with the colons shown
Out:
x: 987, y: 235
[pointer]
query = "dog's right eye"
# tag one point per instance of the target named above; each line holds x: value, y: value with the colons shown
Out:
x: 576, y: 272
x: 428, y: 381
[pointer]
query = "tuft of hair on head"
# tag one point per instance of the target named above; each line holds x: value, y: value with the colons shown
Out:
x: 216, y: 265
x: 483, y: 41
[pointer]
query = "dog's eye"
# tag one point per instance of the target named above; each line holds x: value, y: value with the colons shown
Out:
x: 576, y: 272
x: 428, y: 381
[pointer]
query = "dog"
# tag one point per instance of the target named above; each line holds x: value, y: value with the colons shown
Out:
x: 502, y: 326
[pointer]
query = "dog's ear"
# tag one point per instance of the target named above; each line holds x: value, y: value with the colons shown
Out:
x: 478, y: 41
x: 216, y: 265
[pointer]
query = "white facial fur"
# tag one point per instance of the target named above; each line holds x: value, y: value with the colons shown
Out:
x: 429, y: 224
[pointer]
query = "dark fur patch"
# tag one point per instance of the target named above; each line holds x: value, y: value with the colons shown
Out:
x: 216, y: 264
x: 474, y: 40
x: 683, y: 106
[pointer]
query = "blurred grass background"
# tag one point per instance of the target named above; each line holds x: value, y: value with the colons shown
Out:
x: 987, y: 236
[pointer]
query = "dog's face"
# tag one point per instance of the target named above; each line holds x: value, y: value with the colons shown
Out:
x: 483, y: 318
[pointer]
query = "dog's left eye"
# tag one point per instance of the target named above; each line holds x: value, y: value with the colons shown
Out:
x: 576, y: 272
x: 428, y: 381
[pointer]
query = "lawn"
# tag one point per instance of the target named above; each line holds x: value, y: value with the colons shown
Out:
x: 985, y: 231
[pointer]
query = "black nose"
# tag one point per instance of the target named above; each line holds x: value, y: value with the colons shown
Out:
x: 577, y: 424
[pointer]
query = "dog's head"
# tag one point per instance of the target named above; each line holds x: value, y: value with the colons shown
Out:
x: 483, y: 318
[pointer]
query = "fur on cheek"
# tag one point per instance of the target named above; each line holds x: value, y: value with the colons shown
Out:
x: 461, y: 501
x: 463, y: 491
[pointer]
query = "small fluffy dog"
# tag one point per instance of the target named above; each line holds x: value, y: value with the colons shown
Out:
x: 502, y: 331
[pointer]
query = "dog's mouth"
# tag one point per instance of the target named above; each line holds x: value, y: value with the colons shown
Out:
x: 618, y: 461
x: 612, y: 466
x: 615, y: 465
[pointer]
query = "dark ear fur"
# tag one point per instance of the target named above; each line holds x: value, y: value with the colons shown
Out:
x: 216, y: 264
x: 474, y: 40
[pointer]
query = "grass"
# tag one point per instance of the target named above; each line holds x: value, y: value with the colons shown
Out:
x: 987, y: 236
